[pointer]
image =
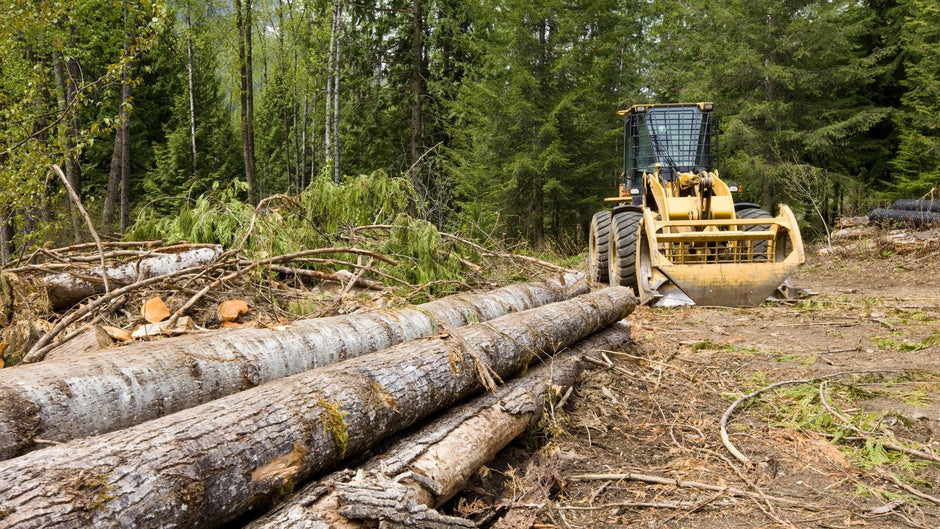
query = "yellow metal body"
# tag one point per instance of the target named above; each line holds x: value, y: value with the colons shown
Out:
x: 691, y: 239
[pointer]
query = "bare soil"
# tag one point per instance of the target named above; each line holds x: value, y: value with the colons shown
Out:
x: 658, y: 412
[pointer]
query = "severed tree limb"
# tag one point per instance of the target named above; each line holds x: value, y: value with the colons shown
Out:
x: 642, y: 505
x: 264, y: 262
x: 434, y: 462
x: 327, y: 276
x: 62, y: 400
x: 91, y: 227
x: 890, y: 445
x: 922, y: 495
x: 648, y: 478
x: 726, y: 416
x: 207, y: 465
x: 39, y: 349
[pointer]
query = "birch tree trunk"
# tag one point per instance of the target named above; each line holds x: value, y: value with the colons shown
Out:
x: 444, y: 454
x: 206, y: 465
x: 337, y: 175
x: 101, y: 392
x: 67, y: 289
x: 190, y: 60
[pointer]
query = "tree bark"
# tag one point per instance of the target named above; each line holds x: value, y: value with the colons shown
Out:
x: 92, y: 339
x: 190, y: 66
x: 62, y: 400
x: 445, y: 453
x: 6, y: 237
x: 125, y: 131
x: 112, y: 193
x: 65, y: 72
x: 417, y: 83
x: 206, y: 465
x: 246, y: 92
x: 67, y: 289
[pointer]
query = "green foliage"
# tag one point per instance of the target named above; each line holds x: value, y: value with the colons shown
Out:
x: 324, y: 215
x: 918, y: 159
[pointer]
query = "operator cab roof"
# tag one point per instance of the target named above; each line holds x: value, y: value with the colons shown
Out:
x: 640, y: 109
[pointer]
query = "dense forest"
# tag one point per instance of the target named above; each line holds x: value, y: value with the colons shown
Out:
x: 499, y: 116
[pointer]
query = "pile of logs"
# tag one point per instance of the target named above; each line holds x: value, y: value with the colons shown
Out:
x: 200, y: 430
x: 908, y: 212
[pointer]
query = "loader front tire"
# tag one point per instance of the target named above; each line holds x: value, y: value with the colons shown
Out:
x: 599, y: 247
x: 624, y: 238
x: 760, y: 247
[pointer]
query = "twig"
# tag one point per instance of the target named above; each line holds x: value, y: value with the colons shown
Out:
x: 909, y: 488
x: 642, y: 505
x: 868, y: 435
x: 632, y: 476
x: 91, y: 227
x: 43, y: 345
x: 725, y: 440
x: 366, y: 283
x: 355, y: 278
x: 278, y: 259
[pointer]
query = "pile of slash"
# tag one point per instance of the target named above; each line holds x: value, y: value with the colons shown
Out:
x: 176, y: 386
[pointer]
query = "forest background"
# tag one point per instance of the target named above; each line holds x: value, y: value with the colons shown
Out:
x: 496, y: 117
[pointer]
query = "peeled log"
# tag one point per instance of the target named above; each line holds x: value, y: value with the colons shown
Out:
x: 445, y: 453
x: 66, y: 289
x: 206, y: 465
x: 96, y: 393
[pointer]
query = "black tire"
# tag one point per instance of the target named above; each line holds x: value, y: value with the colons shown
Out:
x: 624, y: 235
x: 599, y: 247
x: 760, y: 248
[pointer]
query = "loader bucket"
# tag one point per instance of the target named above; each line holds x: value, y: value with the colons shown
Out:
x: 730, y: 263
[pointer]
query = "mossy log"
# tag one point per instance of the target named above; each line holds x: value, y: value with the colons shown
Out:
x: 60, y: 400
x: 204, y: 466
x: 425, y: 469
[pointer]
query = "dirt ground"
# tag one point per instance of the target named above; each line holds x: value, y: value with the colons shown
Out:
x: 849, y: 447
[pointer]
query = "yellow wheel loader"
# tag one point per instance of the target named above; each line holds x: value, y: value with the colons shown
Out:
x: 675, y: 233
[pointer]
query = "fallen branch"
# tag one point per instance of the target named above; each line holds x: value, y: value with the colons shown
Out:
x: 44, y: 344
x: 264, y: 262
x: 723, y: 430
x: 890, y: 445
x: 648, y: 478
x: 91, y: 227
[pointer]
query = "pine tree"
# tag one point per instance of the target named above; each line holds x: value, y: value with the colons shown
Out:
x: 918, y: 160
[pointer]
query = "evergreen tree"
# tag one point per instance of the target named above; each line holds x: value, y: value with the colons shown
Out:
x: 174, y: 172
x: 918, y: 159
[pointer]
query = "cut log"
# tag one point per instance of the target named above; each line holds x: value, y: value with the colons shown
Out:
x: 427, y: 468
x: 67, y: 399
x: 90, y: 340
x: 206, y: 465
x: 154, y: 310
x: 231, y: 309
x: 67, y: 289
x: 904, y: 217
x: 917, y: 205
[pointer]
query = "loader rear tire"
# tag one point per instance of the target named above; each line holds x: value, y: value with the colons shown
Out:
x: 624, y: 237
x: 599, y: 247
x: 760, y: 247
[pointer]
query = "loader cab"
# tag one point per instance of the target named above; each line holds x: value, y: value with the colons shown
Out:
x: 677, y: 137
